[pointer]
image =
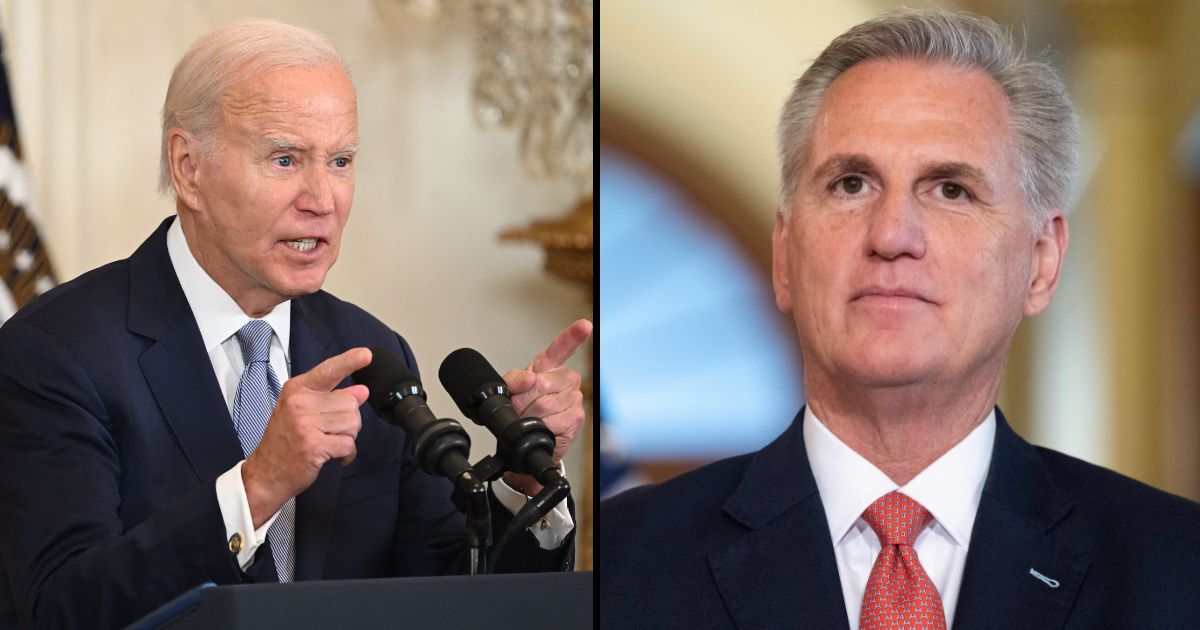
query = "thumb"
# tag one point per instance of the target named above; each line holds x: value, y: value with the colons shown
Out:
x: 520, y: 381
x: 360, y: 393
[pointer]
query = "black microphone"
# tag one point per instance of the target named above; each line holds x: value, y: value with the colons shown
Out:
x: 440, y: 446
x: 524, y: 444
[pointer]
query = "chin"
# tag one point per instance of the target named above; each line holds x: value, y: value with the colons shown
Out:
x: 887, y: 378
x: 295, y: 287
x: 892, y: 365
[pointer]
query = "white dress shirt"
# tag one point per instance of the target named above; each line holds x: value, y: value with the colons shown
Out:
x: 219, y: 318
x: 950, y: 489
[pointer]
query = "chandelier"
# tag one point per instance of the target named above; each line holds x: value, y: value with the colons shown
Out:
x: 534, y: 74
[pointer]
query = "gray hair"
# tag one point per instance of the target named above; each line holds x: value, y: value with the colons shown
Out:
x: 218, y: 61
x: 1044, y: 125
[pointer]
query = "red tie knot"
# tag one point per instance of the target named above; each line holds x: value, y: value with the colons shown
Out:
x: 896, y: 519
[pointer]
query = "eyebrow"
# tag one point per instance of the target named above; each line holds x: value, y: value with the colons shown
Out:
x: 844, y: 163
x: 859, y: 163
x: 957, y: 170
x: 283, y: 144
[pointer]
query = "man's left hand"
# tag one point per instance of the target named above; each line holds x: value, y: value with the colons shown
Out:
x: 549, y: 390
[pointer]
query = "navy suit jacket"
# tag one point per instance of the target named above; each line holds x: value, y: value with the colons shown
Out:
x: 744, y: 543
x: 113, y: 431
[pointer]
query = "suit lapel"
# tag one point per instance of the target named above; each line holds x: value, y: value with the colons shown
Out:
x: 1017, y: 538
x: 190, y: 397
x: 186, y: 389
x: 783, y: 570
x: 311, y: 344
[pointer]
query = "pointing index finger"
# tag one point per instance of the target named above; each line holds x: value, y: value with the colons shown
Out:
x: 335, y: 369
x: 564, y: 345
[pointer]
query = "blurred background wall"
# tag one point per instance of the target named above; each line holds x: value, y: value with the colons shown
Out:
x: 434, y: 190
x: 689, y: 101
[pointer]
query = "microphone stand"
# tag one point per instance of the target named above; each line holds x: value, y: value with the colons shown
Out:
x: 442, y: 448
x: 471, y: 498
x: 555, y: 488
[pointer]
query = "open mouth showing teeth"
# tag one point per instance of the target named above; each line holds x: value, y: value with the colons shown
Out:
x: 302, y: 244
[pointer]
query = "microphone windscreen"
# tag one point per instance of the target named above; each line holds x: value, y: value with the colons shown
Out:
x: 385, y: 374
x: 462, y: 373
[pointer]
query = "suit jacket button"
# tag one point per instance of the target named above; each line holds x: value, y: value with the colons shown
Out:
x: 235, y: 543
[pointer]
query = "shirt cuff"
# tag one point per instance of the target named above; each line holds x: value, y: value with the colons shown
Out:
x: 552, y: 529
x: 242, y: 538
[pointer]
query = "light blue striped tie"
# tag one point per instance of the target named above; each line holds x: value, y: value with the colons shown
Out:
x: 252, y: 406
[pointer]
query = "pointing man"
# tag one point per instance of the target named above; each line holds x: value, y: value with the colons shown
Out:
x: 184, y: 415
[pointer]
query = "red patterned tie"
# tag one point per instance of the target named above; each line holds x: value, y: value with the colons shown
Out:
x: 899, y: 593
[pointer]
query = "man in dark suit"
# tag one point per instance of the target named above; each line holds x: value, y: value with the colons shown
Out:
x: 925, y: 168
x: 185, y: 415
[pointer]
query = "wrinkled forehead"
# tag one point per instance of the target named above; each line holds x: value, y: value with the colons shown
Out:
x: 321, y: 95
x: 913, y: 106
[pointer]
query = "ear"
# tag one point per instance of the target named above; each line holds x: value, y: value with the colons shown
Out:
x: 781, y: 267
x: 1048, y: 253
x: 183, y: 158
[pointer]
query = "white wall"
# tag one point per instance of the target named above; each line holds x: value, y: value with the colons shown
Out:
x: 434, y: 190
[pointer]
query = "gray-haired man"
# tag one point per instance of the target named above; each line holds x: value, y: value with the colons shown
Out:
x: 184, y: 416
x: 926, y: 166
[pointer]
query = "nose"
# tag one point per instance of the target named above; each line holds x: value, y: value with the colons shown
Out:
x: 317, y: 196
x: 896, y: 227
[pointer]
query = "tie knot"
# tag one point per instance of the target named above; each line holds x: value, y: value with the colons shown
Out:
x: 255, y: 340
x: 896, y: 519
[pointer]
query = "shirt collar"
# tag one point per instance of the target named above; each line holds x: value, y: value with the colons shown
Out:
x: 950, y: 487
x: 217, y: 315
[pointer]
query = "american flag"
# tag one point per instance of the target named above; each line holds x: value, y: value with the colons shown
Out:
x: 24, y: 263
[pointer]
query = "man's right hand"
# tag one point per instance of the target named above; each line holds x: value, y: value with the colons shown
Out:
x: 312, y: 424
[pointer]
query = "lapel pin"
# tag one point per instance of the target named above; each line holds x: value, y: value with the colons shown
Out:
x: 1052, y: 583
